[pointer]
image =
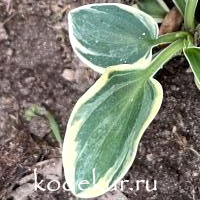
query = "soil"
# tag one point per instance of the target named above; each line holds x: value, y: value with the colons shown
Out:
x: 34, y: 53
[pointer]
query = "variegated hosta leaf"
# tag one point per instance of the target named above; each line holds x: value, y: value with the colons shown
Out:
x: 157, y: 9
x: 104, y: 35
x: 193, y: 56
x: 105, y: 128
x: 180, y: 4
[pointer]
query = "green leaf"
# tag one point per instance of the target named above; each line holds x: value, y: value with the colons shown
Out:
x: 180, y: 4
x: 157, y: 9
x: 193, y: 56
x: 105, y: 128
x: 104, y: 35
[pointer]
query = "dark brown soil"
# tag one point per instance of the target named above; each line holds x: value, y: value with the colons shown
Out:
x: 34, y: 52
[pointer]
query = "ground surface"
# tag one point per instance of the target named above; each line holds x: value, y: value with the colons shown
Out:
x: 34, y: 53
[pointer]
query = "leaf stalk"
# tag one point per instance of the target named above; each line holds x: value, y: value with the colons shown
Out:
x: 172, y: 37
x: 189, y: 17
x: 164, y: 57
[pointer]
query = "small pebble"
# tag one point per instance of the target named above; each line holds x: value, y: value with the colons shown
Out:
x: 69, y: 74
x: 3, y: 33
x: 189, y: 70
x: 149, y: 157
x: 9, y: 52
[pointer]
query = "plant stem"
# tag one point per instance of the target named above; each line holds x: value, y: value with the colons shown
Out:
x: 171, y: 37
x: 189, y: 17
x: 54, y: 127
x: 164, y: 57
x: 163, y: 5
x: 35, y: 110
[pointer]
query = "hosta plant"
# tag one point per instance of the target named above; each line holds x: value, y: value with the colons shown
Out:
x: 108, y: 121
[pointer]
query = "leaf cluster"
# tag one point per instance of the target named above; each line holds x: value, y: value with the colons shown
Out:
x: 109, y: 120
